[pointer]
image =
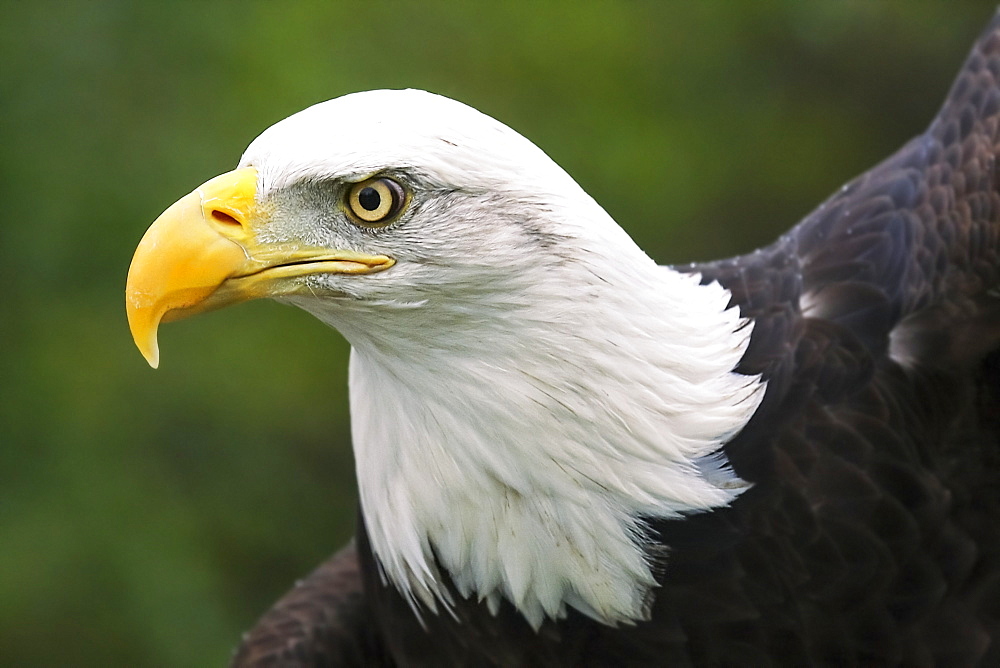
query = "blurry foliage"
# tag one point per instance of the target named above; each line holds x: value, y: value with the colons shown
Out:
x: 148, y: 518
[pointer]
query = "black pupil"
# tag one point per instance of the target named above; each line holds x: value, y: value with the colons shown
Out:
x: 369, y: 198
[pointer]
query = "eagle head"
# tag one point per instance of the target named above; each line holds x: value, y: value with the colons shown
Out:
x: 528, y: 388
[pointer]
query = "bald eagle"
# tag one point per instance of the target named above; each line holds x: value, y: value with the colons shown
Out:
x: 568, y: 454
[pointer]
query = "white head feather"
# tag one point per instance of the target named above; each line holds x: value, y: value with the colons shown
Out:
x: 526, y: 384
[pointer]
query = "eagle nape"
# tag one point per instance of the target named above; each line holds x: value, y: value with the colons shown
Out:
x: 567, y: 454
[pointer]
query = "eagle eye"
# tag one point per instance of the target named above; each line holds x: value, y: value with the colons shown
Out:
x: 376, y: 201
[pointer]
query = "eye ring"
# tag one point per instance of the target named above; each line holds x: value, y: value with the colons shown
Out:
x: 376, y: 201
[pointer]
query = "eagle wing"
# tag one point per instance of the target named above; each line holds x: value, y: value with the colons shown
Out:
x: 321, y: 622
x: 876, y: 451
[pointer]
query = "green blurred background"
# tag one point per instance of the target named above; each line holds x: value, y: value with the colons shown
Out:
x: 148, y: 518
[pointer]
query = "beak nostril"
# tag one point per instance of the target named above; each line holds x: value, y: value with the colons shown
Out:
x: 224, y: 218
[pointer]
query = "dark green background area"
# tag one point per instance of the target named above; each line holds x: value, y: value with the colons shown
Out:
x: 147, y: 518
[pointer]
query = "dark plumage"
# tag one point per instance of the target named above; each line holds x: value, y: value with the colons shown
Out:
x: 872, y: 532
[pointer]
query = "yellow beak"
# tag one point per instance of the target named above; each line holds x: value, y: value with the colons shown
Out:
x: 202, y: 253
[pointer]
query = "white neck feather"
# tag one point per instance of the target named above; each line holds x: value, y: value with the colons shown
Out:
x: 526, y: 384
x: 521, y: 450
